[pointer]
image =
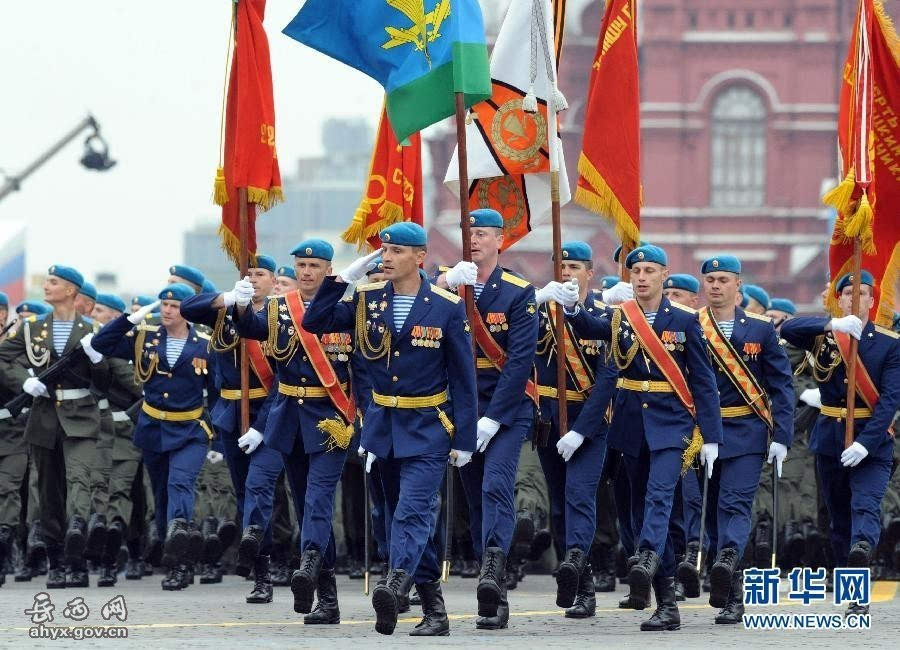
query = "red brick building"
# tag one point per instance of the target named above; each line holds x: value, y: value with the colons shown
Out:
x: 739, y: 116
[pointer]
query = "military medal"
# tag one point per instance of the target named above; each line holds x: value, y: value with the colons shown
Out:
x: 751, y: 350
x: 497, y: 321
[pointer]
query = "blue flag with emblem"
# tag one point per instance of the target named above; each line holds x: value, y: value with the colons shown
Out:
x: 421, y: 51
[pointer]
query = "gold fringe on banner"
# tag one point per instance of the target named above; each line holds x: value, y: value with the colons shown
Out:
x: 885, y: 315
x: 354, y: 232
x: 265, y: 198
x: 604, y: 201
x: 231, y: 244
x: 887, y: 27
x: 388, y: 213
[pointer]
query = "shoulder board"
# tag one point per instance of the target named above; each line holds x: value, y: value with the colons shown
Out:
x: 204, y: 335
x: 452, y: 297
x: 887, y: 332
x: 144, y: 327
x: 371, y: 286
x: 678, y: 305
x: 443, y: 269
x: 758, y: 317
x: 515, y: 279
x: 599, y: 304
x: 31, y: 319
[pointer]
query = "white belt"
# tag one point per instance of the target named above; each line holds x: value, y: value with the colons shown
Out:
x: 120, y: 416
x: 5, y: 414
x: 71, y: 393
x: 103, y: 404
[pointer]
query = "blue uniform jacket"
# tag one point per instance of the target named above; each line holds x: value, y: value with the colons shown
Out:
x: 879, y: 350
x: 407, y: 369
x: 666, y: 423
x: 749, y: 434
x: 178, y: 388
x: 586, y: 417
x: 287, y: 413
x: 226, y: 413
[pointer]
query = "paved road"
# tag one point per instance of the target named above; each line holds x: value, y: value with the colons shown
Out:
x: 215, y: 616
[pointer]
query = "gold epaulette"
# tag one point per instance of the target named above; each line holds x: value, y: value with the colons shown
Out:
x: 371, y: 286
x: 758, y: 317
x: 452, y: 297
x: 678, y: 305
x: 145, y: 327
x: 203, y: 335
x: 887, y: 332
x: 599, y: 304
x: 443, y: 269
x: 514, y: 279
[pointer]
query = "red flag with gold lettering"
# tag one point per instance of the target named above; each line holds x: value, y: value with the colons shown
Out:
x: 868, y: 198
x: 250, y: 161
x: 609, y: 168
x: 393, y: 189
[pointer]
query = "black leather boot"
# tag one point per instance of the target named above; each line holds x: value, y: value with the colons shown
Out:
x: 604, y: 563
x: 640, y: 578
x: 36, y: 554
x: 492, y: 581
x: 734, y: 609
x: 212, y: 545
x: 262, y: 586
x: 227, y: 533
x: 498, y: 622
x: 56, y: 574
x: 176, y: 545
x: 568, y: 576
x: 107, y: 576
x: 687, y: 572
x: 666, y: 616
x: 75, y: 539
x: 860, y: 555
x: 6, y: 543
x: 523, y: 534
x: 585, y: 604
x: 762, y: 542
x: 174, y: 580
x: 279, y: 568
x: 96, y: 537
x: 194, y: 554
x: 187, y: 574
x: 855, y: 609
x: 114, y: 533
x: 134, y: 569
x: 385, y: 599
x: 248, y: 549
x: 326, y: 611
x: 305, y: 579
x: 434, y: 621
x: 627, y: 603
x: 211, y: 574
x: 720, y: 577
x: 77, y: 575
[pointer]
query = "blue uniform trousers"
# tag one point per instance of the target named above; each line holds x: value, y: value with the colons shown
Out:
x: 489, y: 482
x: 853, y: 497
x: 622, y: 494
x: 729, y: 507
x: 259, y: 489
x: 653, y: 476
x: 573, y: 492
x: 379, y: 513
x: 172, y: 477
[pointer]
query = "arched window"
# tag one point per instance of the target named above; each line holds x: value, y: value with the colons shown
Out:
x: 738, y: 161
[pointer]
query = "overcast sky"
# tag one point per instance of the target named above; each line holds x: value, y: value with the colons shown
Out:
x: 152, y: 74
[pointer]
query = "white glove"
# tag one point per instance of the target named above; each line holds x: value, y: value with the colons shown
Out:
x: 487, y: 429
x: 569, y: 444
x: 708, y: 454
x: 566, y: 294
x: 250, y: 440
x: 360, y: 451
x: 853, y: 455
x: 358, y: 269
x: 618, y: 293
x: 214, y: 456
x: 241, y: 295
x: 848, y: 325
x: 91, y: 353
x: 370, y: 458
x: 779, y: 452
x: 812, y: 397
x: 142, y: 313
x: 459, y: 458
x: 35, y: 387
x: 546, y: 294
x: 463, y: 273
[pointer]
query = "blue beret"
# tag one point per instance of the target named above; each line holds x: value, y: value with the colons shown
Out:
x: 286, y: 271
x: 208, y: 287
x: 34, y: 306
x: 646, y: 253
x: 757, y: 293
x: 783, y: 304
x: 189, y: 273
x: 721, y: 263
x: 378, y: 268
x: 88, y: 290
x: 577, y: 251
x: 142, y: 300
x: 405, y: 233
x: 314, y: 248
x: 683, y: 281
x: 485, y: 218
x: 609, y: 281
x: 618, y: 251
x: 864, y: 278
x: 4, y: 300
x: 112, y: 301
x: 265, y: 262
x: 66, y: 273
x: 176, y: 291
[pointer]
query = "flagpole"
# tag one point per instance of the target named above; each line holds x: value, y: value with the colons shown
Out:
x: 243, y: 262
x: 854, y: 344
x: 560, y: 318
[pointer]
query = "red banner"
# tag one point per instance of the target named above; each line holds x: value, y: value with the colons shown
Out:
x: 394, y: 189
x: 250, y: 161
x: 609, y: 168
x: 869, y: 140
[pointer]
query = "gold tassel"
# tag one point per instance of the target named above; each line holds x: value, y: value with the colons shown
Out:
x: 230, y: 244
x: 445, y: 420
x: 354, y: 232
x: 690, y: 453
x: 861, y: 225
x: 840, y: 197
x: 339, y: 434
x: 220, y: 192
x: 388, y: 213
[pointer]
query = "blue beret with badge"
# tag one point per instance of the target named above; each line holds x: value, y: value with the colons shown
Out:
x: 286, y: 271
x: 618, y: 251
x: 176, y: 291
x: 112, y: 301
x: 405, y: 233
x: 88, y: 290
x: 265, y: 262
x: 577, y: 251
x: 757, y: 293
x: 66, y: 273
x: 683, y: 281
x: 646, y: 253
x: 34, y: 306
x: 609, y: 281
x: 378, y: 268
x: 864, y: 278
x: 318, y: 248
x: 721, y: 263
x: 485, y: 218
x: 783, y: 304
x: 189, y: 273
x: 4, y: 300
x: 208, y: 287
